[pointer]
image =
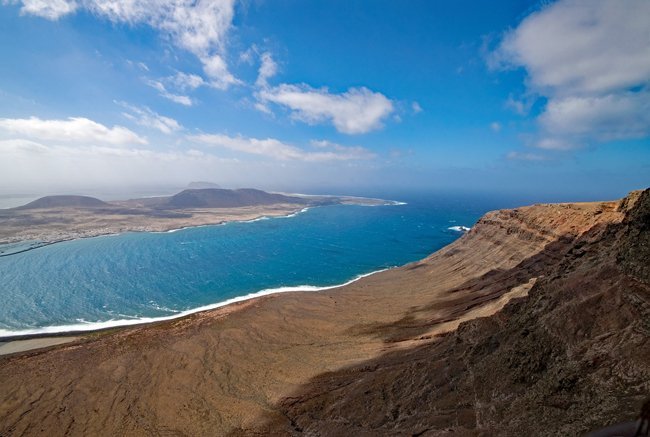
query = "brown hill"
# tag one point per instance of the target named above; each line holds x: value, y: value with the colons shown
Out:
x: 64, y: 201
x: 569, y: 351
x: 222, y: 198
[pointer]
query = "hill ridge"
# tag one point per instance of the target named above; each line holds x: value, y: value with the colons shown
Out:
x: 64, y: 201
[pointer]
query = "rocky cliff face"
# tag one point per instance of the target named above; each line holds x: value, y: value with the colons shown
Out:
x: 571, y: 357
x: 536, y: 322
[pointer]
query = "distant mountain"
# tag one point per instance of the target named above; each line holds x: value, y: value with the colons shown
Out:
x: 221, y: 198
x: 66, y: 201
x: 199, y: 185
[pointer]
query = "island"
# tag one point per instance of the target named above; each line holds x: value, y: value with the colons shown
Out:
x: 58, y: 218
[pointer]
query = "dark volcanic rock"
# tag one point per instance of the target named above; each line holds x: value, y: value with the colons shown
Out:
x: 221, y: 198
x: 634, y: 254
x: 66, y: 201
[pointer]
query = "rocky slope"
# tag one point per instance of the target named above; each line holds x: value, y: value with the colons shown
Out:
x: 555, y: 301
x: 572, y: 357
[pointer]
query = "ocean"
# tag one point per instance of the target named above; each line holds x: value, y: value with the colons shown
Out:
x: 134, y: 277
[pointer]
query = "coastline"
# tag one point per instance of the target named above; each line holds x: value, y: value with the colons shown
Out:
x: 413, y: 336
x: 116, y: 224
x: 85, y: 328
x: 222, y: 217
x: 82, y: 329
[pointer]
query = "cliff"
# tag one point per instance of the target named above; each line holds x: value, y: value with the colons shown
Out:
x: 536, y: 322
x: 572, y: 357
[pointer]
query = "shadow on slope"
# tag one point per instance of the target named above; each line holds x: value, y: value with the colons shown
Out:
x: 573, y: 356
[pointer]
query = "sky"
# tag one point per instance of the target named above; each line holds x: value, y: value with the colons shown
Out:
x: 549, y: 99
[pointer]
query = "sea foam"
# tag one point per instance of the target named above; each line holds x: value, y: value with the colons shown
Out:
x: 86, y: 326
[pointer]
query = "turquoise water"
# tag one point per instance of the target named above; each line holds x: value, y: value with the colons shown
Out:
x: 103, y: 281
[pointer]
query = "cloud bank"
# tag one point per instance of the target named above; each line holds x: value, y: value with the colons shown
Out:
x: 279, y: 150
x: 30, y: 165
x: 591, y: 60
x: 78, y: 130
x: 144, y: 116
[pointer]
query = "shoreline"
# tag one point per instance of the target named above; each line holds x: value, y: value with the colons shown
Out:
x: 163, y: 231
x: 80, y: 330
x: 263, y: 215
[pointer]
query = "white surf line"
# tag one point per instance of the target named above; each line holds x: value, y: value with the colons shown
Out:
x: 459, y: 228
x: 95, y: 326
x: 225, y: 222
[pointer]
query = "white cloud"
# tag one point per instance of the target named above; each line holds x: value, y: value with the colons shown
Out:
x: 186, y: 81
x: 263, y: 108
x: 21, y: 145
x: 582, y: 47
x: 162, y: 90
x: 520, y: 106
x: 282, y: 151
x: 148, y: 118
x: 247, y: 56
x: 268, y: 69
x: 50, y: 9
x: 345, y: 152
x: 609, y: 117
x: 29, y: 165
x: 415, y: 106
x: 495, y: 126
x: 217, y: 70
x: 556, y: 143
x: 198, y: 26
x: 78, y: 130
x: 34, y: 167
x: 179, y: 82
x: 356, y: 111
x: 591, y: 60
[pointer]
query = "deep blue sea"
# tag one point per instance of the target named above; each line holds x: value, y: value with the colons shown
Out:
x: 111, y: 280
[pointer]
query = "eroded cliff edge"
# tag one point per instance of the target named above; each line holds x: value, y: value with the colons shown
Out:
x: 555, y: 303
x: 571, y: 357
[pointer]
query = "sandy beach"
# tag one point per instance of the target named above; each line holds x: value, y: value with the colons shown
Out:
x: 9, y: 346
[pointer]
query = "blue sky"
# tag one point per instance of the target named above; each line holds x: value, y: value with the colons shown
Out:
x: 545, y: 98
